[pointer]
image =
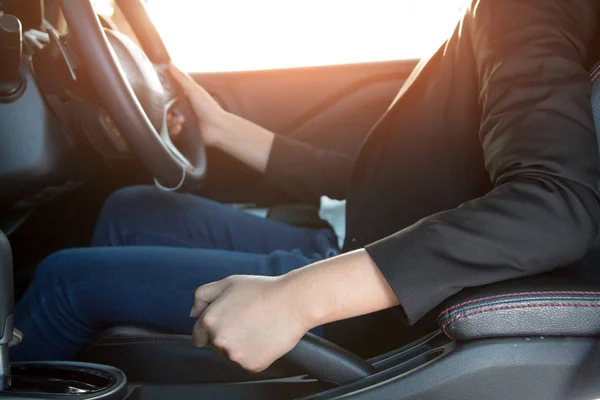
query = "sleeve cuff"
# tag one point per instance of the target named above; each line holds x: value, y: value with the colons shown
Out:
x: 283, y: 156
x: 307, y: 172
x: 410, y: 270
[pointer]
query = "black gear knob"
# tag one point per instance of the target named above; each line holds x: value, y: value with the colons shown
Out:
x: 11, y: 50
x: 6, y: 309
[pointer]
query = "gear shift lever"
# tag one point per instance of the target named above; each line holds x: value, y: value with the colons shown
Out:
x: 6, y: 309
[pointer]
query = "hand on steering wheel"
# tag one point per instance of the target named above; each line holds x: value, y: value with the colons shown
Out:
x: 136, y: 92
x: 208, y: 111
x: 175, y: 123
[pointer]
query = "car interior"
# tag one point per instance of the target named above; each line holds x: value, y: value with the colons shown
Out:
x: 69, y: 101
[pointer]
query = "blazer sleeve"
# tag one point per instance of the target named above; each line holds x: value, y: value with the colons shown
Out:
x: 539, y: 145
x: 307, y: 172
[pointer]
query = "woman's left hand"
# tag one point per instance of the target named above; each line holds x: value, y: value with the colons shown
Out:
x: 253, y: 320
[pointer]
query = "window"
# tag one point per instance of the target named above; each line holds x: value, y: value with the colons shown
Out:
x: 233, y: 35
x: 104, y: 7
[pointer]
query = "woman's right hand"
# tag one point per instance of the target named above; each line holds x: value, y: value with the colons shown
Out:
x: 210, y: 115
x: 230, y: 133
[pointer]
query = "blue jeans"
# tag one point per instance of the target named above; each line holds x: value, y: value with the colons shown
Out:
x: 151, y: 250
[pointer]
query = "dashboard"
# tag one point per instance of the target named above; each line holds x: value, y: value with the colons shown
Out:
x: 35, y: 149
x: 44, y: 146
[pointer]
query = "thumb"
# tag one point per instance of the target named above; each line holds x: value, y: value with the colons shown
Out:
x: 200, y: 336
x: 207, y: 294
x: 185, y: 81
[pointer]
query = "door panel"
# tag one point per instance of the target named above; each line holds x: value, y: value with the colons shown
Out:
x: 332, y: 107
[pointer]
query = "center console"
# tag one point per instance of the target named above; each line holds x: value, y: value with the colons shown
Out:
x: 57, y: 380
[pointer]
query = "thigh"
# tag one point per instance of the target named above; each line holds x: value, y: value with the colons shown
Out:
x: 77, y: 293
x: 145, y: 215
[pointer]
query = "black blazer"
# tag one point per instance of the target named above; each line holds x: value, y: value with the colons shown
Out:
x: 484, y: 168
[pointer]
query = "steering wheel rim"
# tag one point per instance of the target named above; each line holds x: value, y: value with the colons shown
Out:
x: 150, y: 143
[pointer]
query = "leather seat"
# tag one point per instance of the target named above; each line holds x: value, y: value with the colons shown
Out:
x: 565, y: 302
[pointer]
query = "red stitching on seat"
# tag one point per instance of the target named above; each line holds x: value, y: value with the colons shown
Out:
x: 517, y: 306
x: 499, y: 296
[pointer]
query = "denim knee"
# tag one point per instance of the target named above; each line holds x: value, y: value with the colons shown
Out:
x: 122, y: 208
x: 53, y: 270
x: 121, y: 203
x: 140, y: 210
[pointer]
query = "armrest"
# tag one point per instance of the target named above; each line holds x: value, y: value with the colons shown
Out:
x: 565, y: 302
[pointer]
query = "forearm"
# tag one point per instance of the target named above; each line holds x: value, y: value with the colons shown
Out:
x: 338, y: 288
x: 304, y: 171
x: 245, y: 141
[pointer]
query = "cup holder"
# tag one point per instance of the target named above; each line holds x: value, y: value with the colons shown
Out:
x: 57, y: 380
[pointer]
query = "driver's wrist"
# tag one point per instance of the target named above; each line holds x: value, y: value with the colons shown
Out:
x: 222, y: 131
x: 311, y: 313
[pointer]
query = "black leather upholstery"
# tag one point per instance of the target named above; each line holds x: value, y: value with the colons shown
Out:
x: 562, y: 303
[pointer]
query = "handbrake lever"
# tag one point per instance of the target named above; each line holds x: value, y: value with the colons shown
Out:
x: 328, y: 362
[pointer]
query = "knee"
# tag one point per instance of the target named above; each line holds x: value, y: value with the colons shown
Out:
x: 145, y: 208
x: 123, y: 202
x: 137, y: 202
x: 54, y: 270
x: 123, y: 207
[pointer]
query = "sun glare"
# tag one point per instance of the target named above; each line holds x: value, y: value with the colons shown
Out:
x: 233, y: 35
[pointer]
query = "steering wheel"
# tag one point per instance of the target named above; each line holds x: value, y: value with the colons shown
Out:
x: 137, y: 92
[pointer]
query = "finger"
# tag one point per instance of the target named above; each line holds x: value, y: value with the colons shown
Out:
x: 175, y: 130
x: 184, y: 80
x: 200, y: 336
x: 175, y: 125
x: 174, y: 119
x: 178, y: 119
x: 171, y: 125
x: 207, y: 294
